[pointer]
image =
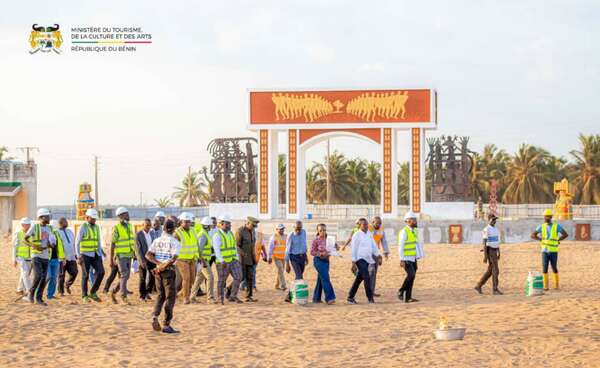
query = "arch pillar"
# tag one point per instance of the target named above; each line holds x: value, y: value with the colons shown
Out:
x: 389, y: 173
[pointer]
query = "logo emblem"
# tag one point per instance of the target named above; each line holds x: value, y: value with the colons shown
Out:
x: 45, y: 39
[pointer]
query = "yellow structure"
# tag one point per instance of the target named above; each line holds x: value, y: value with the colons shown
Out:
x: 563, y: 205
x: 84, y: 200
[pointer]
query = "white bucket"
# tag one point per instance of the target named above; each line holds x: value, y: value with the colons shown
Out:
x: 457, y: 333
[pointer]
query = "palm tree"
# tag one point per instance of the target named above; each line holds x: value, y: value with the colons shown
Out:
x: 357, y: 172
x: 403, y: 183
x: 491, y: 164
x: 373, y: 182
x: 192, y: 191
x: 3, y: 152
x: 282, y: 168
x: 528, y: 178
x: 585, y: 172
x: 163, y: 202
x: 340, y: 181
x: 315, y: 188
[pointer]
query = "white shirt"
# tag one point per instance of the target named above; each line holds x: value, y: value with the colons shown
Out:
x: 492, y: 235
x: 148, y: 237
x: 364, y: 247
x: 216, y: 241
x: 165, y: 247
x: 68, y: 240
x: 401, y: 242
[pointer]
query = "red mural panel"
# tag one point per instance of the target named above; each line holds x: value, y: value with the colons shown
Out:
x: 292, y: 150
x: 264, y: 171
x: 416, y: 169
x: 387, y: 170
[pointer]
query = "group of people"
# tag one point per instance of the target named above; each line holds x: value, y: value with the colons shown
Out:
x: 178, y: 255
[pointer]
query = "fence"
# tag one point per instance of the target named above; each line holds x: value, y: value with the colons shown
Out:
x: 536, y: 210
x: 135, y: 213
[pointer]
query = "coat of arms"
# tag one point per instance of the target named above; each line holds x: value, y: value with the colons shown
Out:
x: 45, y: 39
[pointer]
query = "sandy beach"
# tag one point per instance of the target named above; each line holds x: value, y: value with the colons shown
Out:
x: 559, y: 329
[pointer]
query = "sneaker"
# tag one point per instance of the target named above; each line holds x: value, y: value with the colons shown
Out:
x: 351, y: 301
x: 411, y: 300
x: 331, y: 302
x: 95, y: 297
x: 400, y: 294
x: 498, y: 292
x: 25, y: 298
x: 41, y: 303
x: 371, y: 301
x: 86, y: 299
x: 478, y: 289
x: 251, y: 300
x: 155, y: 324
x: 169, y: 330
x: 236, y: 300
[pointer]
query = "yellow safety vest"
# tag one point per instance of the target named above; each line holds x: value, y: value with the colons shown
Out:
x: 23, y: 248
x: 124, y: 240
x: 410, y: 245
x: 89, y: 243
x: 550, y: 242
x: 207, y: 251
x: 189, y: 244
x: 228, y: 246
x: 36, y: 239
x: 279, y: 249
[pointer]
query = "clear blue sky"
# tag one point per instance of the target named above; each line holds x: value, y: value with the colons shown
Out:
x: 506, y: 72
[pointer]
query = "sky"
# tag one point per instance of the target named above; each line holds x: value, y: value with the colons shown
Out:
x: 506, y: 72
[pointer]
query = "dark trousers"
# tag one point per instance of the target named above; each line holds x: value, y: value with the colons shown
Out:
x: 40, y: 272
x: 167, y: 293
x: 362, y: 276
x: 248, y: 276
x: 146, y: 280
x: 114, y: 271
x: 298, y: 262
x: 94, y: 262
x: 551, y: 258
x: 492, y: 271
x: 411, y: 271
x: 69, y: 267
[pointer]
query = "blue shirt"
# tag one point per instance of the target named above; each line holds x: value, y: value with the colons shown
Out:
x: 548, y: 228
x: 296, y: 244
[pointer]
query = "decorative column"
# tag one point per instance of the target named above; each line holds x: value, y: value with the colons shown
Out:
x: 268, y: 195
x: 417, y: 180
x: 389, y: 183
x: 292, y: 170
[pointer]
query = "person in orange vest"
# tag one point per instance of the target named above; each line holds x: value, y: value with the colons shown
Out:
x: 277, y: 245
x: 378, y: 233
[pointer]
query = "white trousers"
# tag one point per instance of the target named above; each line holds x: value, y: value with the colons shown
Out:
x: 24, y: 283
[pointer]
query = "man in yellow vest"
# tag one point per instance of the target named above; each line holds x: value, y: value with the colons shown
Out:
x: 410, y: 250
x: 228, y: 263
x: 352, y: 232
x: 548, y: 235
x: 207, y: 258
x: 122, y: 250
x: 276, y: 253
x: 188, y: 254
x: 378, y: 233
x: 89, y: 255
x: 41, y: 238
x: 21, y: 256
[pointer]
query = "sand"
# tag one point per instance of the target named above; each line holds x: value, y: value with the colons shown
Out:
x: 559, y: 329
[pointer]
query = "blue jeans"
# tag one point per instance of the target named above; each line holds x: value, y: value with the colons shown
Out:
x: 52, y: 276
x: 551, y: 258
x: 323, y: 281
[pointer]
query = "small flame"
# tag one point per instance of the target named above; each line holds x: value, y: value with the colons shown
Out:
x: 443, y: 325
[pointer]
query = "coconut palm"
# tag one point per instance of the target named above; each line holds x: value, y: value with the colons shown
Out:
x: 585, y: 171
x: 192, y: 192
x: 340, y: 180
x: 163, y: 202
x: 3, y: 154
x: 489, y: 165
x: 528, y: 178
x: 373, y: 182
x: 315, y: 188
x: 357, y: 172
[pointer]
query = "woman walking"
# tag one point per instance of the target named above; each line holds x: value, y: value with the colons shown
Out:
x: 320, y: 255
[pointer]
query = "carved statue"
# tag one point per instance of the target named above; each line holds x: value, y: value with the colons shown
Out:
x: 450, y: 166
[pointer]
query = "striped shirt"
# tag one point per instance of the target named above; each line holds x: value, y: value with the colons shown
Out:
x: 165, y: 248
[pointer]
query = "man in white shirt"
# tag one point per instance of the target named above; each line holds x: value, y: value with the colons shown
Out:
x: 491, y: 251
x: 364, y: 253
x: 163, y: 252
x: 410, y: 249
x: 70, y: 265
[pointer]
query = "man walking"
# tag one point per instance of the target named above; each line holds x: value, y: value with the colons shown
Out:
x: 207, y: 258
x: 69, y: 266
x: 378, y: 234
x: 89, y: 255
x: 188, y: 254
x: 163, y: 253
x: 491, y: 255
x: 121, y: 252
x: 225, y: 247
x: 364, y: 253
x: 410, y: 250
x: 21, y: 256
x: 296, y: 251
x: 143, y: 240
x: 277, y: 245
x: 246, y: 241
x: 548, y: 235
x: 42, y: 239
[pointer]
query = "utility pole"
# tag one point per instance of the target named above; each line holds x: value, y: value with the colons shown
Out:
x: 328, y: 189
x: 27, y: 151
x: 140, y: 199
x: 96, y: 183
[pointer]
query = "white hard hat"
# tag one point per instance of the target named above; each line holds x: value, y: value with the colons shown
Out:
x: 186, y: 216
x: 280, y: 226
x: 91, y: 212
x: 206, y: 221
x: 43, y: 212
x: 159, y: 214
x: 120, y: 211
x: 410, y: 215
x: 224, y: 218
x: 25, y: 221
